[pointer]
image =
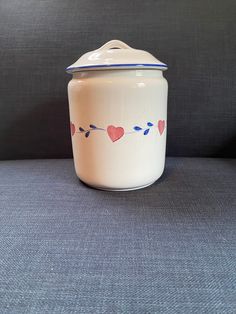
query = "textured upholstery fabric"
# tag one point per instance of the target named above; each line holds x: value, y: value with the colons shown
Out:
x: 67, y: 248
x: 38, y: 39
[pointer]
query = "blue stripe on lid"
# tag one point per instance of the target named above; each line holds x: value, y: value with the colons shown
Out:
x: 141, y: 65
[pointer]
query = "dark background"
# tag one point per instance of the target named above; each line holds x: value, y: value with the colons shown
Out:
x: 38, y: 39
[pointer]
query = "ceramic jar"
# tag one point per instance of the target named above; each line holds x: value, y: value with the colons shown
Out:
x: 118, y: 111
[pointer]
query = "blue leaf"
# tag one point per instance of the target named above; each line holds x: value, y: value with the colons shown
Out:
x: 81, y: 129
x: 92, y: 126
x: 137, y: 128
x: 149, y: 124
x: 146, y: 132
x: 87, y: 134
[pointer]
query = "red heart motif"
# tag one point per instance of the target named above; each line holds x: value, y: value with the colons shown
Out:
x: 115, y: 133
x: 161, y: 126
x: 72, y: 128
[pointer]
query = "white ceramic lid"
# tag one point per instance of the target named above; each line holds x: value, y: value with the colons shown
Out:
x: 115, y: 54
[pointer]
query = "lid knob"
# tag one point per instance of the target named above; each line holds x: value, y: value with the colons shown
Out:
x: 114, y: 44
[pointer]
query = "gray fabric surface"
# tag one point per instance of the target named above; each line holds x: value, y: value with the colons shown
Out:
x: 38, y: 39
x: 67, y: 248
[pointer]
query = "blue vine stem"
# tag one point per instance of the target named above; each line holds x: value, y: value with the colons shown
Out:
x: 144, y: 130
x: 91, y: 128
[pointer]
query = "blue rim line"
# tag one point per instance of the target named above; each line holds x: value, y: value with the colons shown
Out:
x: 117, y: 65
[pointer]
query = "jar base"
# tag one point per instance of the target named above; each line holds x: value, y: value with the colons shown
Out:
x: 119, y: 190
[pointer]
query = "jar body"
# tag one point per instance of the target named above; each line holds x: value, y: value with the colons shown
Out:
x: 118, y: 124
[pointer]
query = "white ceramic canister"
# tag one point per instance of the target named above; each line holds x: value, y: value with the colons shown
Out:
x: 118, y: 111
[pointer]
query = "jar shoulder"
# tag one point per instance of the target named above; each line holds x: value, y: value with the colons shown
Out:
x: 119, y: 80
